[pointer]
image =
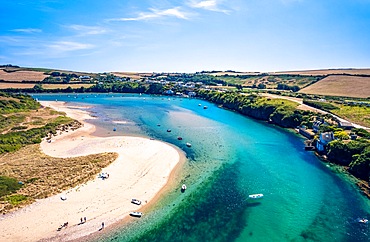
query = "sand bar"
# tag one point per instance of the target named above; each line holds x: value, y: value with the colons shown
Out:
x: 141, y: 170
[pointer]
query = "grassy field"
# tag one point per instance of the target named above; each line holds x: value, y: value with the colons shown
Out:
x: 28, y: 120
x: 326, y: 72
x: 268, y: 82
x: 346, y: 86
x: 5, y: 85
x: 18, y: 76
x: 44, y: 176
x: 357, y: 114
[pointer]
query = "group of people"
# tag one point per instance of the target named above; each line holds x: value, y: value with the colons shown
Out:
x: 83, y: 220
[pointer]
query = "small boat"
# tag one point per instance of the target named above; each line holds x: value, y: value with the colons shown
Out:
x: 363, y: 220
x: 168, y: 130
x: 205, y: 107
x: 63, y: 197
x: 135, y: 201
x: 136, y: 214
x: 183, y: 187
x: 188, y: 144
x: 199, y: 104
x: 114, y: 129
x: 256, y: 196
x: 179, y: 138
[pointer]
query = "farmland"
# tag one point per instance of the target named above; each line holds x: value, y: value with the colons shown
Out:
x: 341, y: 85
x: 18, y: 76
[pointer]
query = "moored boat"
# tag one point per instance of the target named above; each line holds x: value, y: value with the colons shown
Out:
x: 136, y: 214
x: 183, y: 187
x: 363, y: 220
x: 256, y: 196
x: 188, y: 144
x: 135, y: 201
x: 179, y: 138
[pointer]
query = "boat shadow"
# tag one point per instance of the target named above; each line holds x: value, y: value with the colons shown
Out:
x: 253, y: 204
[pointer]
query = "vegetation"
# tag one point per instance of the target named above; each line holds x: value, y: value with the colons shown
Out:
x: 279, y: 111
x: 360, y: 166
x: 8, y: 186
x: 11, y: 103
x: 323, y: 105
x: 267, y: 81
x: 13, y: 141
x: 15, y: 199
x: 42, y: 175
x: 354, y: 154
x: 359, y: 114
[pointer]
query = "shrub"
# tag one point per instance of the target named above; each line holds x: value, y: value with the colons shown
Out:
x: 8, y: 185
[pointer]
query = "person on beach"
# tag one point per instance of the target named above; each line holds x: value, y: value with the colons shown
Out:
x: 81, y: 220
x: 85, y: 219
x: 102, y: 225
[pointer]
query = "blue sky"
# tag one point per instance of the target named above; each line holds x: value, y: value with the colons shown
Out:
x: 185, y: 36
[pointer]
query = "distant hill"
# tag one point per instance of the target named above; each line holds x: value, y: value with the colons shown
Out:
x: 13, y: 73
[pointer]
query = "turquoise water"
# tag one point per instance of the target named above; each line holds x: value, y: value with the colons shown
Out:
x: 231, y: 156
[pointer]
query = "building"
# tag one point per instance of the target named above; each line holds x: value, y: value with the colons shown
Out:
x: 324, y: 139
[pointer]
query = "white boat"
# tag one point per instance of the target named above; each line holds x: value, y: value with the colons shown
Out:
x: 188, y: 144
x: 256, y: 196
x: 183, y: 187
x: 136, y: 214
x: 363, y: 220
x: 135, y: 201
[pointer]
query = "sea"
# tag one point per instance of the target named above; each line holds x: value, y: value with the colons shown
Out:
x: 231, y: 156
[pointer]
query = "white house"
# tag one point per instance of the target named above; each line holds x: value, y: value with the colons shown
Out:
x: 324, y: 139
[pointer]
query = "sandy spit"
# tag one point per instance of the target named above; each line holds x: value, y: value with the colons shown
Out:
x: 141, y: 170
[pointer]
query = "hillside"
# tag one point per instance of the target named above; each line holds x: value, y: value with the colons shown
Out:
x: 325, y: 72
x: 340, y: 85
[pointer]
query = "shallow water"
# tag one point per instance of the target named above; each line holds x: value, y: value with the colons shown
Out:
x: 231, y: 156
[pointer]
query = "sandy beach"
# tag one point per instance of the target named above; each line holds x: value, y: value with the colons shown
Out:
x: 142, y: 169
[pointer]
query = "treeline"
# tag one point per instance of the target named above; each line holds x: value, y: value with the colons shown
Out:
x: 278, y: 111
x: 205, y: 79
x: 120, y: 87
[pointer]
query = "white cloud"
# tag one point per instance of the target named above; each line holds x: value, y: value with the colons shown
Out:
x: 64, y: 46
x: 87, y: 30
x: 27, y: 30
x: 155, y: 13
x: 211, y: 5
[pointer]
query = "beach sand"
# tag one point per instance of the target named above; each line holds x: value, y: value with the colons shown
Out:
x: 141, y: 170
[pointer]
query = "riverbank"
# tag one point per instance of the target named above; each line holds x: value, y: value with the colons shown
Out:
x: 142, y: 169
